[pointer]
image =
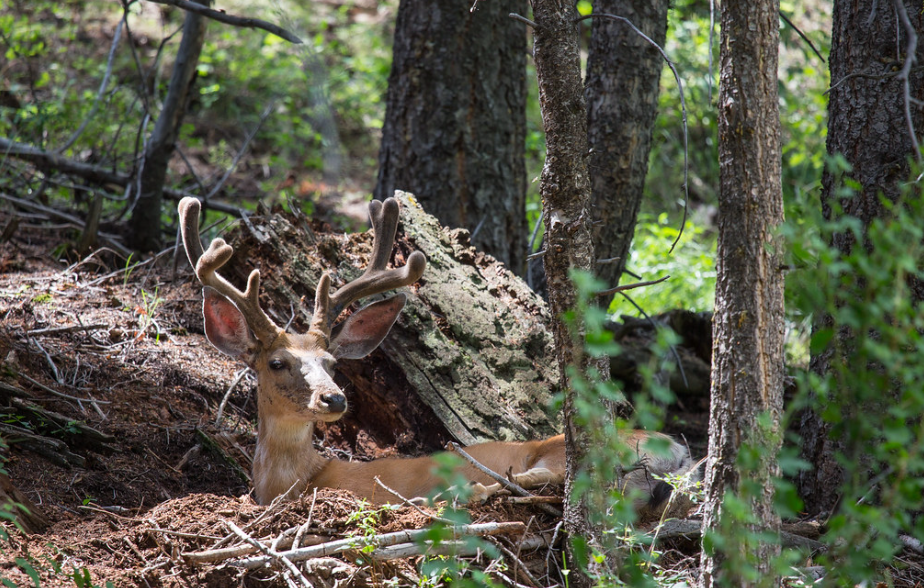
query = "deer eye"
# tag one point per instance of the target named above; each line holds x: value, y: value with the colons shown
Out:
x: 276, y: 364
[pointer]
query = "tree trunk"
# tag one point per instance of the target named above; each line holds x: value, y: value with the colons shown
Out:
x: 565, y: 190
x: 145, y: 221
x: 623, y: 75
x: 471, y: 357
x: 867, y: 125
x: 747, y: 372
x: 455, y: 120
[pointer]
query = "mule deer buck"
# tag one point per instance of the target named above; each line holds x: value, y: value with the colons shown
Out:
x: 296, y: 388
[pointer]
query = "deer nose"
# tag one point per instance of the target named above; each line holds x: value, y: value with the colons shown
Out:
x: 335, y: 401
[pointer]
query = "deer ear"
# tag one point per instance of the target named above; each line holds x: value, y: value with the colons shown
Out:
x: 363, y: 330
x: 226, y: 327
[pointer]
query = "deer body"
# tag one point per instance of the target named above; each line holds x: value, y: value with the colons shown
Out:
x: 295, y: 386
x: 287, y: 459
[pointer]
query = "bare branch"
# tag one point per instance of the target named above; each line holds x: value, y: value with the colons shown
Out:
x: 655, y: 326
x: 70, y: 329
x: 630, y: 286
x: 905, y: 74
x: 801, y: 34
x: 522, y: 19
x: 884, y: 76
x: 512, y: 486
x: 296, y: 573
x: 237, y: 21
x: 221, y: 407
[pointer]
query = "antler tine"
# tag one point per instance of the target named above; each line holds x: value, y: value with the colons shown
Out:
x: 376, y: 278
x: 189, y: 226
x: 207, y: 264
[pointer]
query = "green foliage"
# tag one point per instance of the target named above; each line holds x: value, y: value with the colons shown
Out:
x: 691, y: 266
x: 321, y: 97
x: 35, y: 567
x: 366, y: 520
x: 342, y: 68
x: 147, y: 312
x: 620, y: 555
x: 868, y: 331
x: 43, y: 298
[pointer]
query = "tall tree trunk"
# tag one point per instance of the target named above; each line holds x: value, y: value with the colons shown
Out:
x: 747, y: 372
x: 867, y: 125
x: 565, y: 190
x: 455, y: 121
x: 145, y: 220
x: 623, y: 75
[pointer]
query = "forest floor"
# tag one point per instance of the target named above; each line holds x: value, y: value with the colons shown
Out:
x: 109, y: 395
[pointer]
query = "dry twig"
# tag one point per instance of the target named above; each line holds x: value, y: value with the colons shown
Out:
x: 385, y: 540
x: 513, y: 487
x: 275, y: 555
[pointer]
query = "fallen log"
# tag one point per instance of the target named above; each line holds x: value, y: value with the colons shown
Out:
x: 470, y: 357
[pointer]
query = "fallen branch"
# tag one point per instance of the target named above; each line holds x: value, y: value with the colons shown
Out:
x: 45, y: 388
x: 70, y: 329
x: 89, y: 436
x: 217, y: 555
x: 112, y: 240
x: 411, y: 504
x: 452, y: 548
x: 403, y: 550
x: 912, y: 544
x: 518, y: 564
x: 512, y: 486
x: 99, y: 175
x: 379, y: 541
x: 534, y: 499
x: 692, y: 529
x: 54, y: 450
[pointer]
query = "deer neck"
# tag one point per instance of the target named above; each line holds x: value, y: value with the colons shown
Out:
x: 285, y: 457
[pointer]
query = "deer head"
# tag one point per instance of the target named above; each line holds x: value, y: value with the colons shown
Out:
x: 294, y: 371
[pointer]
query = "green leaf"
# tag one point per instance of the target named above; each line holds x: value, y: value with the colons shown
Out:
x: 820, y: 340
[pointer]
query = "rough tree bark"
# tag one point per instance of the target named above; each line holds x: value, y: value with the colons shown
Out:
x: 747, y: 372
x: 565, y: 190
x: 623, y: 75
x: 145, y: 225
x: 867, y: 125
x: 471, y: 357
x: 455, y: 120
